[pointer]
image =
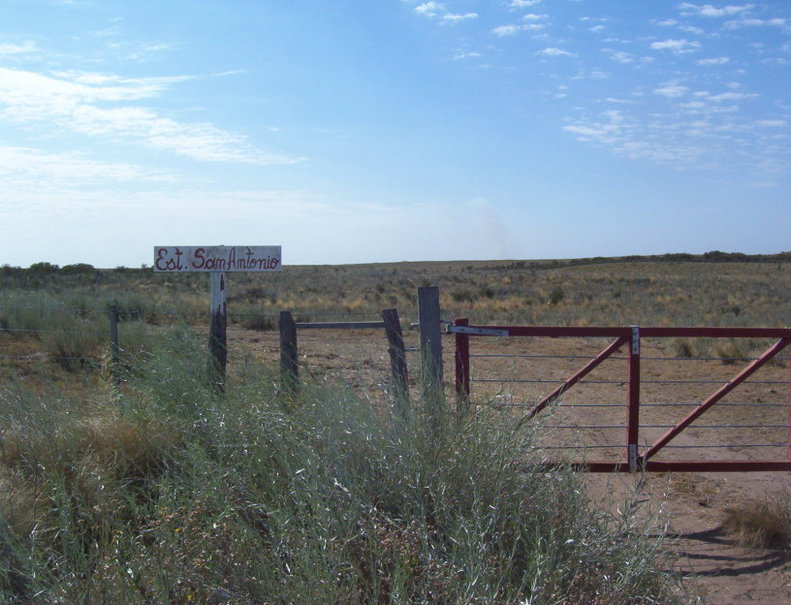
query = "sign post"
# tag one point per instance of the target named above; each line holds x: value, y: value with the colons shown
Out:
x: 217, y: 261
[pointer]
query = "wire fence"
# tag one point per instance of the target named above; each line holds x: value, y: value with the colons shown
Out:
x: 512, y: 374
x: 592, y: 415
x: 76, y: 337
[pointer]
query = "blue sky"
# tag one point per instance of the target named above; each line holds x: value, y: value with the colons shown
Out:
x: 387, y: 130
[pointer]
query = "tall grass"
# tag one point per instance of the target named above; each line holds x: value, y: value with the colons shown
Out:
x: 168, y: 492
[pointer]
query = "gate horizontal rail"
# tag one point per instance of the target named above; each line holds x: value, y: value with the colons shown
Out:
x: 629, y: 338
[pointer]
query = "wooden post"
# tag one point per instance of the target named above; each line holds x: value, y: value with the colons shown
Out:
x: 218, y: 341
x: 289, y: 369
x: 398, y: 367
x: 462, y: 358
x: 431, y: 355
x: 633, y: 413
x: 115, y: 348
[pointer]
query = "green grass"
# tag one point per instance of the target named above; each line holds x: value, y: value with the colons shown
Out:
x: 167, y: 492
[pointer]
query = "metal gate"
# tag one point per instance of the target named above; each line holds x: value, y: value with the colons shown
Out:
x: 653, y: 428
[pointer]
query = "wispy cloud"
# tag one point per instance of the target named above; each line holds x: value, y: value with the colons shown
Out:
x: 671, y: 90
x: 707, y: 10
x: 429, y: 9
x: 554, y: 52
x: 752, y: 22
x: 714, y: 61
x: 25, y: 48
x: 467, y: 55
x: 455, y: 18
x: 24, y: 163
x: 77, y: 101
x: 504, y: 31
x: 619, y: 56
x: 677, y: 46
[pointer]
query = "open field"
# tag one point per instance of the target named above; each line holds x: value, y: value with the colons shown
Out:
x: 53, y: 340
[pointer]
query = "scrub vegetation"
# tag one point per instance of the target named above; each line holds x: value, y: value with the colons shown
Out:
x: 164, y: 491
x: 158, y: 489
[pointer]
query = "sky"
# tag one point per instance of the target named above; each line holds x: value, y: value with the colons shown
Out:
x: 351, y: 131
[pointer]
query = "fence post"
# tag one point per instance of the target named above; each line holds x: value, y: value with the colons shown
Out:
x: 633, y: 413
x: 398, y: 367
x: 289, y: 369
x: 462, y: 358
x: 218, y: 341
x: 431, y: 355
x: 115, y: 347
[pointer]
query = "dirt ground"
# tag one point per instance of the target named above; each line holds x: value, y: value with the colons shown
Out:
x: 515, y: 373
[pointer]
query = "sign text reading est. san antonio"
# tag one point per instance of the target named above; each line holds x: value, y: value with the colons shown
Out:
x: 217, y: 258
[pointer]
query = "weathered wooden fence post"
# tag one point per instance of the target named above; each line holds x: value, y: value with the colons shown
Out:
x: 115, y: 347
x: 218, y: 341
x: 462, y: 359
x: 398, y: 367
x: 431, y: 356
x: 289, y: 369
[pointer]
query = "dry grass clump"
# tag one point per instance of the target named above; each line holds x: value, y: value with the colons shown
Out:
x: 764, y: 524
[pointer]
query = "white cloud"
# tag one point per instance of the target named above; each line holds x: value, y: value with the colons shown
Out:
x: 728, y: 97
x: 676, y: 46
x: 504, y: 31
x: 74, y: 101
x: 745, y: 22
x: 27, y: 47
x: 707, y: 10
x: 456, y: 18
x: 429, y: 9
x: 554, y: 52
x: 672, y: 90
x: 619, y: 56
x: 772, y: 123
x: 691, y: 29
x: 714, y: 61
x: 23, y: 163
x: 468, y: 55
x: 524, y: 3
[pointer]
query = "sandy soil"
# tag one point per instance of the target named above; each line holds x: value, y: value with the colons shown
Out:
x: 690, y: 505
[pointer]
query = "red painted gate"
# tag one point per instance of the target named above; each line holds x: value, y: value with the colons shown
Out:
x: 644, y: 445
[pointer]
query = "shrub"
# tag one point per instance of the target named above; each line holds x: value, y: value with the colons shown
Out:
x: 682, y: 347
x: 43, y: 268
x: 732, y: 351
x: 78, y: 269
x: 556, y: 296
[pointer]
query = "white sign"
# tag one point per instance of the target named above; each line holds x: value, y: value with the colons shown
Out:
x: 174, y: 259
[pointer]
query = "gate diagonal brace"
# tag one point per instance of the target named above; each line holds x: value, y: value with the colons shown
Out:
x: 721, y: 392
x: 451, y: 329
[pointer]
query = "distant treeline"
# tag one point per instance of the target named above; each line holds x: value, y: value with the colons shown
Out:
x: 714, y: 256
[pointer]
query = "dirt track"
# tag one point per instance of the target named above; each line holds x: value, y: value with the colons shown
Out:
x: 690, y: 505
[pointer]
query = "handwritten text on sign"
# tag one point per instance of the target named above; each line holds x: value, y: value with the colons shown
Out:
x: 217, y: 258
